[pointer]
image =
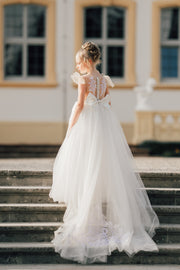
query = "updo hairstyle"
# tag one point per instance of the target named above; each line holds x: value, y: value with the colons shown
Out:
x: 89, y: 50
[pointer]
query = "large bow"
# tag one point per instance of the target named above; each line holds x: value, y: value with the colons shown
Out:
x: 92, y: 100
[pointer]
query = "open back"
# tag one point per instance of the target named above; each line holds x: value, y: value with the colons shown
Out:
x: 96, y: 85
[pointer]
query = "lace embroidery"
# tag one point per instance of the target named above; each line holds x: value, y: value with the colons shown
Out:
x: 91, y: 82
x: 97, y: 234
x: 91, y: 86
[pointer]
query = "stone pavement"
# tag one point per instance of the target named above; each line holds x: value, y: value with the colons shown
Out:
x: 146, y: 164
x: 89, y: 267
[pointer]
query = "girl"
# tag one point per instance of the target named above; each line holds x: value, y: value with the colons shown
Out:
x: 94, y: 174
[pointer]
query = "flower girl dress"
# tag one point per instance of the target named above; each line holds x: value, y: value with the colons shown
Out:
x: 94, y: 174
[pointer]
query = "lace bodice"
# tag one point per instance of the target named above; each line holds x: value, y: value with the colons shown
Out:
x: 95, y: 85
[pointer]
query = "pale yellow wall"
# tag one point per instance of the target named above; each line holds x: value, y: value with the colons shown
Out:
x: 42, y: 133
x: 32, y: 132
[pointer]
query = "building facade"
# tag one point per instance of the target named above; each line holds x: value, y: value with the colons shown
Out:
x: 138, y: 39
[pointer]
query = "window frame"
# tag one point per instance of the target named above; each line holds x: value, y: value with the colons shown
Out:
x: 49, y: 80
x: 129, y: 80
x: 164, y: 84
x: 170, y: 44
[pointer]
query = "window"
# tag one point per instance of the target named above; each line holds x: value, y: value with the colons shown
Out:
x: 24, y: 41
x: 170, y: 44
x: 111, y: 24
x: 106, y: 27
x: 27, y: 43
x: 166, y: 44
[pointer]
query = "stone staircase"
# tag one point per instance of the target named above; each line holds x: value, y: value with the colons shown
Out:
x: 28, y: 219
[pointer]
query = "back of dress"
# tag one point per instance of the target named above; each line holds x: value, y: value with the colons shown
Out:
x: 97, y: 85
x: 96, y: 95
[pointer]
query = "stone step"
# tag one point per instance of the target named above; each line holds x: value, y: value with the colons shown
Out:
x: 37, y: 194
x: 24, y: 150
x: 168, y: 213
x: 164, y: 196
x: 44, y: 232
x: 161, y: 179
x: 28, y: 231
x: 73, y: 266
x: 167, y: 233
x: 54, y: 213
x: 31, y: 212
x: 43, y: 253
x: 25, y: 178
x: 25, y: 194
x: 44, y: 178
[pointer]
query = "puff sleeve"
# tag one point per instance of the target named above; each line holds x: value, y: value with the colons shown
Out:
x: 109, y: 81
x: 77, y: 78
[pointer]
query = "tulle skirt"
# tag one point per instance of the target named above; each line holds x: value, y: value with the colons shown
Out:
x: 95, y: 175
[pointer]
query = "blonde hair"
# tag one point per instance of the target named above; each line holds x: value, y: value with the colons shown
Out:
x: 89, y: 50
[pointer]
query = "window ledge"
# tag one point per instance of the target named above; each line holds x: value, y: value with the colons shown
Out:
x: 166, y: 86
x: 28, y: 84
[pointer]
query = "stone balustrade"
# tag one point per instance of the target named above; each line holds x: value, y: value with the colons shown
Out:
x: 157, y: 125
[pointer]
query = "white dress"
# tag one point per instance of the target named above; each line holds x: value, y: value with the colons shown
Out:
x: 94, y: 174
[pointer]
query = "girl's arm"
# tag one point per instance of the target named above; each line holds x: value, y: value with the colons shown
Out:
x: 80, y: 104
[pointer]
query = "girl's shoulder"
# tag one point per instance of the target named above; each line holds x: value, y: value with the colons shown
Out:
x: 78, y: 79
x: 83, y: 79
x: 89, y: 77
x: 108, y: 80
